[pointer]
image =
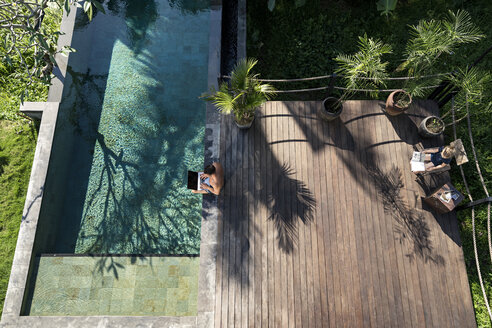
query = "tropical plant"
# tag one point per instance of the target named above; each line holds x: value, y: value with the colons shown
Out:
x: 243, y: 94
x: 432, y: 38
x: 26, y: 41
x: 470, y: 85
x: 386, y: 7
x: 365, y: 69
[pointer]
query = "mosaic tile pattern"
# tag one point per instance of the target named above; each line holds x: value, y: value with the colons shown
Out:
x: 129, y: 286
x: 130, y: 126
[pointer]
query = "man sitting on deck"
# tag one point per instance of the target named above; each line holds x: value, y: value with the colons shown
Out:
x: 437, y: 158
x: 212, y: 179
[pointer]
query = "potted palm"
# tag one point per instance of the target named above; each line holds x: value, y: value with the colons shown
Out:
x: 242, y: 95
x: 363, y: 70
x: 430, y: 40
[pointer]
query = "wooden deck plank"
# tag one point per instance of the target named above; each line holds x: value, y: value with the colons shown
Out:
x: 255, y: 231
x: 420, y: 312
x: 270, y: 228
x: 379, y: 222
x: 387, y: 164
x: 283, y: 196
x: 298, y: 251
x: 226, y: 225
x: 264, y: 213
x: 300, y: 163
x: 220, y: 233
x: 336, y: 237
x: 314, y: 185
x: 305, y: 168
x: 352, y: 213
x: 275, y: 260
x: 370, y: 200
x: 320, y: 211
x: 244, y: 244
x: 348, y: 267
x: 327, y: 202
x: 360, y: 223
x: 290, y: 190
x: 387, y: 235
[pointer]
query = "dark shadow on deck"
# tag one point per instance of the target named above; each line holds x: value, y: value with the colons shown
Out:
x: 289, y: 200
x: 410, y: 222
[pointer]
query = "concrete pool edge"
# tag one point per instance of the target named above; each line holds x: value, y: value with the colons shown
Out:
x: 11, y: 316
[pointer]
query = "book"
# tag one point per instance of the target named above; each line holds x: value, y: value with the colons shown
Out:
x: 417, y: 162
x: 418, y: 156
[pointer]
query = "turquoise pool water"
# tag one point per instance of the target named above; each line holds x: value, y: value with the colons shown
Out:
x: 129, y: 127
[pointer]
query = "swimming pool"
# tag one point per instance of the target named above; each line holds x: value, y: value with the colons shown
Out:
x: 130, y: 125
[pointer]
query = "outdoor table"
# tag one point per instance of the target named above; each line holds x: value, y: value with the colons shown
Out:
x: 444, y: 199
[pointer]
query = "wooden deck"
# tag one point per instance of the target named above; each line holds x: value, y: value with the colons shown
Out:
x: 322, y: 225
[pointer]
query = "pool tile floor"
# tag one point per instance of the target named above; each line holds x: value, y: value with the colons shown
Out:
x: 105, y: 285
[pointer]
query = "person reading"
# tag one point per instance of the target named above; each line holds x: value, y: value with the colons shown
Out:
x: 212, y: 180
x: 436, y: 158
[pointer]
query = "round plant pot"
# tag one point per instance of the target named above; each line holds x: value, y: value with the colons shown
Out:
x: 392, y: 108
x: 331, y: 109
x: 426, y: 132
x: 244, y: 125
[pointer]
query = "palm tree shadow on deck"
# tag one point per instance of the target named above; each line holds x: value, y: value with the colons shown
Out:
x: 410, y: 223
x: 282, y: 213
x: 288, y: 201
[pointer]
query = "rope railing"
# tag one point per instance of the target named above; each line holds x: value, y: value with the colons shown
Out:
x: 474, y: 237
x: 343, y: 88
x: 379, y: 90
x: 314, y: 78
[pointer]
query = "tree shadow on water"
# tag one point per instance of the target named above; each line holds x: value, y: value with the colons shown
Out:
x: 410, y: 222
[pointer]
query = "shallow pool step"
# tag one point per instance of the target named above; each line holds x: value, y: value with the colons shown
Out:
x: 114, y: 285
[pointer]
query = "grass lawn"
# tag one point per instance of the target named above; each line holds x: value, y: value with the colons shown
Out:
x: 17, y: 145
x: 302, y: 42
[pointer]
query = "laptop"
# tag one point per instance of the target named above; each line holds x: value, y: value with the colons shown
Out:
x: 194, y: 180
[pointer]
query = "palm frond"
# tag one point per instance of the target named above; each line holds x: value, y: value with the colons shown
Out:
x: 240, y: 75
x: 431, y: 38
x: 364, y: 69
x: 461, y: 28
x: 472, y: 84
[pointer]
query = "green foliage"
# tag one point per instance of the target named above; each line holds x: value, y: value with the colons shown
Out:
x: 364, y: 69
x: 472, y: 84
x: 28, y: 43
x: 13, y: 81
x: 17, y: 144
x: 432, y: 38
x: 386, y: 7
x: 244, y: 94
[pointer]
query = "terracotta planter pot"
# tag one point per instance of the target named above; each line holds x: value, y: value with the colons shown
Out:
x: 331, y: 109
x: 424, y: 131
x: 392, y: 108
